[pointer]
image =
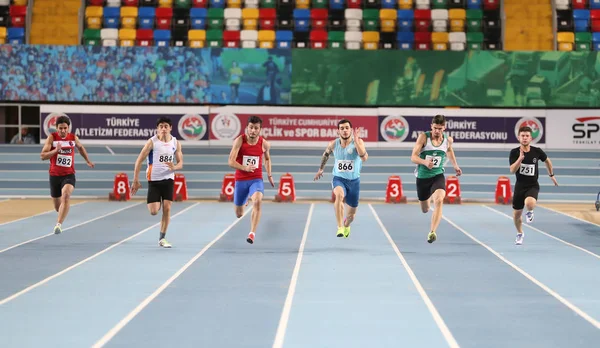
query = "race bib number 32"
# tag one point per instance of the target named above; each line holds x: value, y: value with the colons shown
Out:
x: 344, y: 166
x: 64, y: 161
x: 527, y: 169
x: 437, y: 160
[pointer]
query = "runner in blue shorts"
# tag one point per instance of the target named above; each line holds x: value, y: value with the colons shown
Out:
x: 349, y: 153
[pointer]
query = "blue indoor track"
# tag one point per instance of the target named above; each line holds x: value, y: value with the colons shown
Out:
x: 105, y: 281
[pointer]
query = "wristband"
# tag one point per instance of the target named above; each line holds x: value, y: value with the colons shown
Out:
x: 551, y: 175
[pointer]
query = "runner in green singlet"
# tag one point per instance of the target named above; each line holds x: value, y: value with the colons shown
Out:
x: 430, y: 153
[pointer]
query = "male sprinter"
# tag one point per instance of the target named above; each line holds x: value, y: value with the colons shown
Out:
x: 349, y: 154
x: 60, y: 150
x: 524, y: 164
x: 246, y: 158
x: 429, y: 153
x: 160, y: 172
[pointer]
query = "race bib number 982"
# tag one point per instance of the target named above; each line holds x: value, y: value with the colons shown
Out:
x: 250, y: 160
x: 527, y: 169
x: 64, y: 161
x: 437, y: 160
x: 345, y: 166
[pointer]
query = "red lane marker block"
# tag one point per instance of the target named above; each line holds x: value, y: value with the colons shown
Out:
x: 180, y: 188
x: 121, y: 189
x: 503, y: 191
x: 287, y: 189
x: 394, y: 192
x: 228, y: 188
x: 452, y: 190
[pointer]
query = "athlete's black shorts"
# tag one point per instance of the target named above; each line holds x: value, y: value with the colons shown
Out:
x: 161, y: 190
x: 427, y: 186
x: 58, y: 182
x: 522, y: 192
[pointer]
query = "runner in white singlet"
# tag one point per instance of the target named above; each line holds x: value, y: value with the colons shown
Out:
x: 160, y: 151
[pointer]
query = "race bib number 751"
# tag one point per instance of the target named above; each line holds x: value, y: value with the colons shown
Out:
x: 64, y: 161
x: 527, y: 169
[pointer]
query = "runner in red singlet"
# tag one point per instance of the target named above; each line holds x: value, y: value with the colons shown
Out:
x: 246, y: 158
x: 60, y: 150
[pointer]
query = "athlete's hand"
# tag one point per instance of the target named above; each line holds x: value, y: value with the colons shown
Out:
x: 249, y: 168
x: 430, y: 163
x: 135, y: 186
x: 357, y: 133
x: 171, y: 166
x: 91, y: 164
x: 522, y: 155
x: 319, y: 175
x: 554, y: 180
x: 58, y: 147
x: 271, y: 181
x: 458, y: 171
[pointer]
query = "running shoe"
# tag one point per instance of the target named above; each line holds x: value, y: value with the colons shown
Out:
x: 519, y: 239
x: 431, y: 237
x: 250, y: 238
x: 57, y: 229
x: 163, y: 243
x: 529, y: 217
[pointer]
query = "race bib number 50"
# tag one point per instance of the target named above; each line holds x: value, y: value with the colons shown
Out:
x: 527, y: 169
x: 250, y: 160
x: 64, y: 161
x: 344, y: 166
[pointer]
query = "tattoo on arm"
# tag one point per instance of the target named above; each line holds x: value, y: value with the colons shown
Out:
x: 325, y: 158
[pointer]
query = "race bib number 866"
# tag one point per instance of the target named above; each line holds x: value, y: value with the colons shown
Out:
x: 345, y: 165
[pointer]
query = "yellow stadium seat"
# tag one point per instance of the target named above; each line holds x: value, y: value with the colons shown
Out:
x: 165, y: 3
x: 126, y: 43
x: 566, y: 41
x: 196, y: 38
x: 439, y: 41
x: 266, y: 38
x: 303, y: 4
x: 93, y: 16
x: 457, y: 17
x: 405, y: 4
x: 370, y: 40
x: 127, y: 34
x: 388, y: 19
x: 565, y: 46
x: 234, y: 3
x: 250, y: 18
x: 2, y: 33
x: 2, y: 41
x: 20, y: 2
x: 129, y: 15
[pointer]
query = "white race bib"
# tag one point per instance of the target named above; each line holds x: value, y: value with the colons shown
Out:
x: 165, y: 158
x: 250, y: 160
x: 527, y: 169
x: 345, y: 166
x: 437, y: 160
x: 64, y: 161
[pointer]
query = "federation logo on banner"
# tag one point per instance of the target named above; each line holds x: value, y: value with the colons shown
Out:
x: 226, y: 126
x: 394, y: 128
x: 192, y: 127
x: 50, y: 122
x: 537, y: 130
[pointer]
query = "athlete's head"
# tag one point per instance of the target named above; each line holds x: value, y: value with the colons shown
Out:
x: 254, y: 126
x: 62, y: 125
x: 438, y: 126
x: 345, y: 129
x: 524, y: 135
x: 163, y: 126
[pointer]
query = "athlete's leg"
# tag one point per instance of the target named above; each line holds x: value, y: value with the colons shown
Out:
x: 56, y: 201
x: 256, y: 192
x: 166, y: 194
x: 154, y: 208
x: 339, y: 192
x: 438, y: 201
x: 530, y: 202
x: 518, y: 204
x: 63, y: 210
x: 424, y: 205
x: 424, y: 193
x: 240, y: 196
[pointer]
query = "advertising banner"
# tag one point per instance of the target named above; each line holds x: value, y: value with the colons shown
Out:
x: 574, y: 129
x: 293, y: 126
x: 125, y: 124
x: 473, y: 127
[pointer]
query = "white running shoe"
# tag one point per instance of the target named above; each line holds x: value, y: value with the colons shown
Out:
x: 163, y: 243
x: 519, y: 239
x: 529, y: 217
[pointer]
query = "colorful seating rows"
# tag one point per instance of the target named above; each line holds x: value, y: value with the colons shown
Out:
x: 578, y: 25
x: 13, y: 17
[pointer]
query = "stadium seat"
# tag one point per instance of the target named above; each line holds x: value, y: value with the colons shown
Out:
x: 284, y: 38
x: 197, y: 38
x: 439, y: 41
x: 18, y: 16
x: 233, y: 18
x: 267, y: 18
x: 318, y: 18
x: 111, y: 17
x: 250, y: 19
x: 162, y: 37
x: 422, y: 4
x: 318, y: 39
x: 15, y: 36
x: 405, y: 20
x: 388, y: 18
x: 109, y: 3
x: 370, y: 40
x: 353, y: 40
x: 438, y: 4
x: 20, y: 2
x: 566, y: 41
x: 266, y: 38
x: 165, y: 3
x: 93, y: 17
x: 127, y: 37
x: 144, y: 37
x: 353, y: 18
x: 198, y: 17
x: 109, y: 36
x: 126, y: 3
x: 91, y: 37
x: 3, y: 34
x: 186, y: 4
x: 405, y: 40
x: 422, y: 40
x: 475, y: 40
x: 164, y: 17
x: 582, y: 20
x: 457, y: 19
x: 214, y: 38
x: 583, y: 41
x: 147, y: 17
x: 405, y: 4
x: 458, y: 41
x: 231, y: 38
x: 439, y: 18
x: 129, y: 16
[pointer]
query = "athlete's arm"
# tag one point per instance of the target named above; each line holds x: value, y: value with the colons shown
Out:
x: 82, y: 151
x: 235, y: 149
x: 47, y: 151
x: 324, y: 159
x: 452, y: 156
x: 362, y: 151
x: 138, y: 162
x: 515, y: 160
x: 178, y: 157
x: 417, y: 148
x: 266, y: 150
